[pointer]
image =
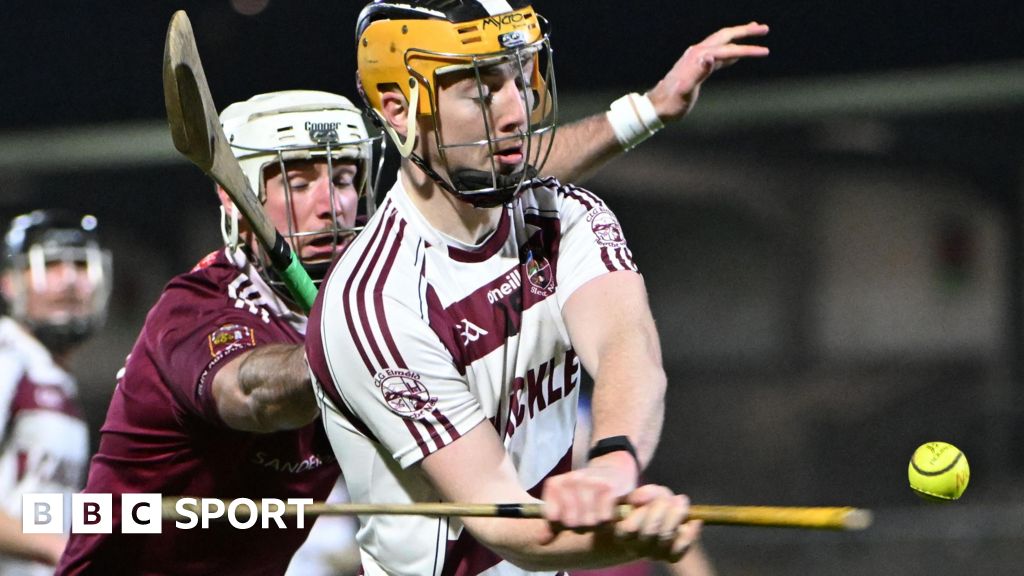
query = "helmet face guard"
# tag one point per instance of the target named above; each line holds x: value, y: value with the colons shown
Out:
x: 430, y: 48
x: 35, y: 244
x: 277, y: 129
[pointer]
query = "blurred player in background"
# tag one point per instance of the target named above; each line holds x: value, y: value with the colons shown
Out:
x: 55, y: 283
x: 458, y: 321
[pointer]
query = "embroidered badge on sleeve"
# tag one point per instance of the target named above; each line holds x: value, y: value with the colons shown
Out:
x: 230, y: 335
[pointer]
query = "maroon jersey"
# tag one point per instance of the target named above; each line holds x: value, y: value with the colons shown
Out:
x: 163, y: 434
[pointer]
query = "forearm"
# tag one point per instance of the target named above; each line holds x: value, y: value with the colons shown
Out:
x: 629, y: 393
x: 629, y: 380
x: 45, y: 548
x: 580, y: 148
x: 266, y: 390
x: 530, y: 544
x: 613, y: 332
x: 275, y: 379
x: 476, y: 469
x: 654, y: 529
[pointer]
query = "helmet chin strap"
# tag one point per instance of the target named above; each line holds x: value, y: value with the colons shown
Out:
x: 506, y: 186
x: 464, y: 182
x: 229, y: 226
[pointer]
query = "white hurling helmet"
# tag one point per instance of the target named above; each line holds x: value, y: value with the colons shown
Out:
x: 278, y: 127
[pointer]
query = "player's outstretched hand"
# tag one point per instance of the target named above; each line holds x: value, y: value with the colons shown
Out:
x: 657, y: 526
x: 676, y: 93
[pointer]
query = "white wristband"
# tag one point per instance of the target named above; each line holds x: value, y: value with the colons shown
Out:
x: 633, y: 119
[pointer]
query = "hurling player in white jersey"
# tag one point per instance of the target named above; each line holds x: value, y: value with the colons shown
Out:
x: 55, y: 283
x: 447, y: 343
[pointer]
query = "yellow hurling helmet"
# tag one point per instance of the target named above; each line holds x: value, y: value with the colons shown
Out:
x: 409, y: 45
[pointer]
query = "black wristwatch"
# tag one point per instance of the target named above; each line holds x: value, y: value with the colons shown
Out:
x: 614, y: 444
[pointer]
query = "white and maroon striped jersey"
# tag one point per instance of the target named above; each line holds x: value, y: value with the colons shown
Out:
x: 416, y: 338
x: 44, y: 442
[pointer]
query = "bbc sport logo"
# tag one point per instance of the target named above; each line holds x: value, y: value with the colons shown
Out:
x: 44, y: 513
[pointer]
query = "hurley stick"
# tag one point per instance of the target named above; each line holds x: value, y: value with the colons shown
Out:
x: 822, y: 518
x: 197, y: 133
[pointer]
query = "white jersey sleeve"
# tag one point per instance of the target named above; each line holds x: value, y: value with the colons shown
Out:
x: 410, y: 394
x: 592, y: 241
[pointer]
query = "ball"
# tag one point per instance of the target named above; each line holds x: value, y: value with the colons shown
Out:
x: 939, y: 471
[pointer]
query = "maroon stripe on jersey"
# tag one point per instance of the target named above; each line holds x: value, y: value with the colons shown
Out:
x: 441, y: 325
x: 620, y: 255
x: 424, y: 449
x: 627, y: 254
x: 22, y: 465
x: 378, y: 297
x: 317, y: 354
x: 435, y: 434
x: 592, y: 199
x: 361, y: 310
x: 31, y: 395
x: 482, y: 321
x: 346, y: 296
x: 588, y: 200
x: 606, y: 257
x: 452, y: 431
x: 361, y: 277
x: 622, y: 259
x: 490, y: 247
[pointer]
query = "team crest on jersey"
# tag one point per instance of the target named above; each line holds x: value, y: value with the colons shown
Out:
x: 606, y: 227
x: 404, y: 394
x: 538, y: 272
x: 230, y: 335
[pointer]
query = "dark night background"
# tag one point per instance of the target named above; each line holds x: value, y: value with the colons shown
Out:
x: 88, y: 62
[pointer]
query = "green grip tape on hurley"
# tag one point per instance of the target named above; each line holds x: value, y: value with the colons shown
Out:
x: 295, y: 277
x: 299, y: 283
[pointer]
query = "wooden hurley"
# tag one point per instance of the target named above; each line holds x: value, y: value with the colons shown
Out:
x: 197, y: 134
x: 817, y: 518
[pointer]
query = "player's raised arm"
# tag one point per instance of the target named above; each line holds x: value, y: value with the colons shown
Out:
x: 583, y: 146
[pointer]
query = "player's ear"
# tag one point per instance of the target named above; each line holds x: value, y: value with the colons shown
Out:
x: 395, y: 108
